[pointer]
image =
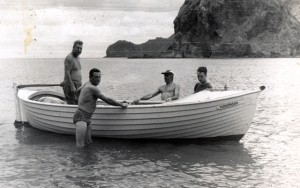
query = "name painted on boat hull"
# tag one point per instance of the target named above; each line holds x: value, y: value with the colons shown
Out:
x: 228, y: 105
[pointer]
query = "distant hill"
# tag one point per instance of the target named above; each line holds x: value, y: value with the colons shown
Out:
x: 150, y: 49
x: 231, y: 28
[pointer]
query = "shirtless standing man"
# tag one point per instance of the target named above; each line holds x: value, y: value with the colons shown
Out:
x: 89, y: 93
x: 169, y: 92
x: 72, y: 79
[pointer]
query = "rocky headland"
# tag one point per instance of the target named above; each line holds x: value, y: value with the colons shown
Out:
x: 150, y: 49
x: 224, y: 28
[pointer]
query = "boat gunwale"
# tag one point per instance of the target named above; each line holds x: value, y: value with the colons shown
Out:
x: 26, y: 98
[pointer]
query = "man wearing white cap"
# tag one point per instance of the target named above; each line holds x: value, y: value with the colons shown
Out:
x: 168, y: 92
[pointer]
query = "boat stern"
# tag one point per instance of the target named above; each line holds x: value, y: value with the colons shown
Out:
x: 21, y: 95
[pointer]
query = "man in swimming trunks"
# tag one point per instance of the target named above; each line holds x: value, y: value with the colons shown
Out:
x: 89, y: 93
x: 168, y: 92
x: 72, y: 79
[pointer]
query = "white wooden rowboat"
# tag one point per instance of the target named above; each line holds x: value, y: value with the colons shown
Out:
x: 205, y: 115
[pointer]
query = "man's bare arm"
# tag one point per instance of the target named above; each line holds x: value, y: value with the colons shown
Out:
x: 80, y: 88
x: 147, y: 97
x: 68, y: 68
x: 109, y: 100
x: 176, y: 96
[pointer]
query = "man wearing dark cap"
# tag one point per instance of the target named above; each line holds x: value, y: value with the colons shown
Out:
x: 168, y: 92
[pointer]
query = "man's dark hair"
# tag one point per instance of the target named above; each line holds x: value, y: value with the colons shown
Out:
x: 202, y: 69
x: 92, y: 71
x: 77, y: 42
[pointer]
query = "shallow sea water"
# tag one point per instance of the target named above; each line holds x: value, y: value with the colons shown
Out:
x: 267, y: 156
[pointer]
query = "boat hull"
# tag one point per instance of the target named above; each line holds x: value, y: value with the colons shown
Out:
x: 200, y: 116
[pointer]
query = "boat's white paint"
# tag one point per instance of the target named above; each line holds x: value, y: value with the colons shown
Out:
x: 201, y: 115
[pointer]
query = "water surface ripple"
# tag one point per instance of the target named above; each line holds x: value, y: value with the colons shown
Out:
x: 267, y: 156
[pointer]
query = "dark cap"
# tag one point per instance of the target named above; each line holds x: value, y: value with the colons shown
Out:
x: 168, y: 72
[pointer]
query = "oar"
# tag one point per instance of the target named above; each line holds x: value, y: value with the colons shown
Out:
x: 38, y: 85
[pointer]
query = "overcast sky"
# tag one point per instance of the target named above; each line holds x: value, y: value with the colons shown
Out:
x: 47, y: 28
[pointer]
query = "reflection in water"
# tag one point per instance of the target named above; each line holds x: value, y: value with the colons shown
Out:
x: 130, y: 162
x: 28, y: 135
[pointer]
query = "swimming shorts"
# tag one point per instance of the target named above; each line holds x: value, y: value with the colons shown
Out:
x: 81, y: 115
x: 71, y: 97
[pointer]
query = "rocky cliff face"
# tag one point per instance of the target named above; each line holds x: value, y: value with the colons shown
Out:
x: 295, y: 8
x: 225, y: 28
x: 150, y: 49
x: 236, y: 28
